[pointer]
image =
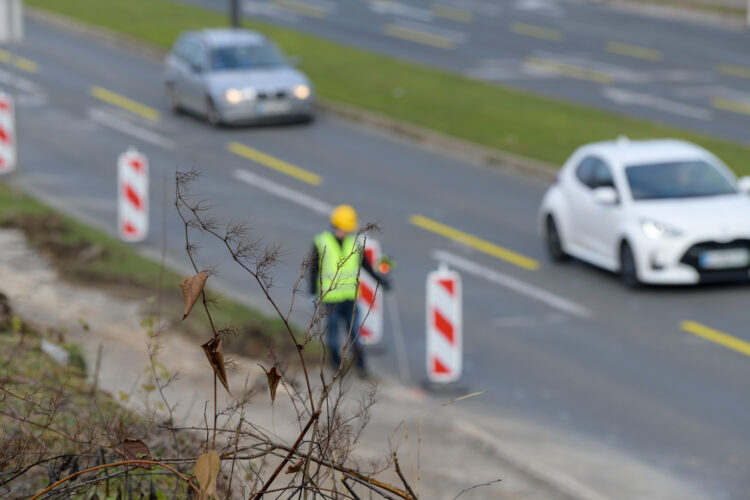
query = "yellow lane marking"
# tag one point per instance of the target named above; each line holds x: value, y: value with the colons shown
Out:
x: 549, y: 34
x: 419, y: 36
x: 18, y: 61
x: 716, y: 336
x: 123, y: 102
x: 453, y: 14
x: 274, y: 163
x: 625, y: 49
x: 570, y: 71
x: 474, y: 242
x: 730, y: 105
x: 304, y: 8
x: 733, y: 70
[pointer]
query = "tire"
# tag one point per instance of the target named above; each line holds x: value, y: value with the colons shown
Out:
x: 628, y: 267
x: 212, y: 114
x: 554, y: 242
x: 173, y: 102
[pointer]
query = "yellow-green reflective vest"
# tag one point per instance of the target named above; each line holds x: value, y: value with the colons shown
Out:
x: 338, y: 267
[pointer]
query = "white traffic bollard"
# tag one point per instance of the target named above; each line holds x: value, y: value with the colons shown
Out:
x: 8, y: 146
x: 132, y: 189
x: 444, y: 326
x: 370, y: 302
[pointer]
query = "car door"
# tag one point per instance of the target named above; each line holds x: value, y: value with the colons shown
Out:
x: 577, y: 192
x: 602, y: 228
x: 195, y: 86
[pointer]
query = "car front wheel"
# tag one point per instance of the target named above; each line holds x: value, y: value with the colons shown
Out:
x: 212, y: 114
x: 628, y: 268
x: 554, y: 243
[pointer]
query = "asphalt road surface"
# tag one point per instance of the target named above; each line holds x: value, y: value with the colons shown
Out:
x: 688, y: 75
x: 563, y: 346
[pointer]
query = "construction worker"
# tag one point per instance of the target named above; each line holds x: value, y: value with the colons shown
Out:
x: 335, y: 265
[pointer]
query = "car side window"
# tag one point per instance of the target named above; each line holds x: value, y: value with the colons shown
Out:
x: 585, y: 170
x: 602, y: 176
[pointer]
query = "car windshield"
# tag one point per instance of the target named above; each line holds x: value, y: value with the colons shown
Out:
x: 684, y: 179
x: 263, y: 55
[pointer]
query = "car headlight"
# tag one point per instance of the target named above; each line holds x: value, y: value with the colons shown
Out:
x: 302, y: 92
x: 233, y: 96
x: 657, y: 230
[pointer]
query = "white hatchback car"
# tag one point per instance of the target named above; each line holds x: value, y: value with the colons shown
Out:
x: 655, y: 211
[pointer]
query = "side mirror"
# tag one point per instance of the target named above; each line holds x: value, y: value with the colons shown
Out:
x: 197, y: 68
x: 744, y: 184
x: 294, y: 61
x: 606, y: 195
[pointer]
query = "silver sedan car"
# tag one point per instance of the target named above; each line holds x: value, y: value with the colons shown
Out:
x: 235, y: 76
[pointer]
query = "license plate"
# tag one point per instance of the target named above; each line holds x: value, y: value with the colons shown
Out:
x: 725, y: 259
x: 273, y: 107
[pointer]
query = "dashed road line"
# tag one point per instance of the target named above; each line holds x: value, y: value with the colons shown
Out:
x: 476, y: 243
x: 128, y: 128
x: 125, y: 103
x: 289, y: 194
x: 716, y: 336
x: 453, y: 13
x: 419, y: 36
x: 274, y: 163
x: 731, y: 105
x: 636, y: 51
x: 19, y: 62
x: 303, y: 8
x: 520, y: 287
x: 733, y: 70
x: 539, y: 32
x: 569, y: 70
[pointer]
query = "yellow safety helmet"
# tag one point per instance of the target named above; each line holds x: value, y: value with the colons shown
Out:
x: 344, y: 217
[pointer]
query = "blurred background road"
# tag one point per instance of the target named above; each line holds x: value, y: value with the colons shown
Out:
x: 563, y: 346
x: 690, y: 75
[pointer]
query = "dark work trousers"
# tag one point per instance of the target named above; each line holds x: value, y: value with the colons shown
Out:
x: 339, y: 313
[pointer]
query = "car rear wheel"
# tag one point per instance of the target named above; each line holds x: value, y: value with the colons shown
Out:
x: 628, y: 268
x: 212, y: 114
x: 554, y: 243
x: 172, y: 100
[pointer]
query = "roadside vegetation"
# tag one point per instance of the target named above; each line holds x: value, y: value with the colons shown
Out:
x: 86, y: 256
x: 510, y: 120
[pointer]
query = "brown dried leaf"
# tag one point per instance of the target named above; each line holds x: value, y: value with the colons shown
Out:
x: 134, y: 449
x: 206, y: 472
x: 295, y: 468
x: 212, y: 348
x: 192, y: 286
x: 273, y: 381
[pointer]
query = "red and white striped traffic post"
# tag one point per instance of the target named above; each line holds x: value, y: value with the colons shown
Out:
x: 8, y: 151
x: 444, y: 327
x: 132, y: 189
x: 370, y: 303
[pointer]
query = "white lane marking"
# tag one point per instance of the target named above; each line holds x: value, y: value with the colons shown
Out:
x: 514, y: 284
x: 562, y: 482
x: 622, y: 96
x: 19, y: 82
x: 128, y: 128
x: 390, y: 8
x: 284, y: 192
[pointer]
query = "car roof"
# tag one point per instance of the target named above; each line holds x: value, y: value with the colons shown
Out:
x: 626, y: 152
x: 222, y: 37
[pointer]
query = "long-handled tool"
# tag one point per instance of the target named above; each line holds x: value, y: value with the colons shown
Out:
x: 398, y: 334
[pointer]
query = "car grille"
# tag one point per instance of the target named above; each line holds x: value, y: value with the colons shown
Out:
x: 692, y: 259
x: 278, y: 94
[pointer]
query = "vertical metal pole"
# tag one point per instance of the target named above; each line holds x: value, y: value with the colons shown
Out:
x: 234, y: 13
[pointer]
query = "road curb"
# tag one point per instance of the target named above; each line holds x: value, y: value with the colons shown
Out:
x: 564, y: 484
x: 672, y: 13
x: 436, y: 141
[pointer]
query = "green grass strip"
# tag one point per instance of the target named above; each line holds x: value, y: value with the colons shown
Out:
x: 536, y: 127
